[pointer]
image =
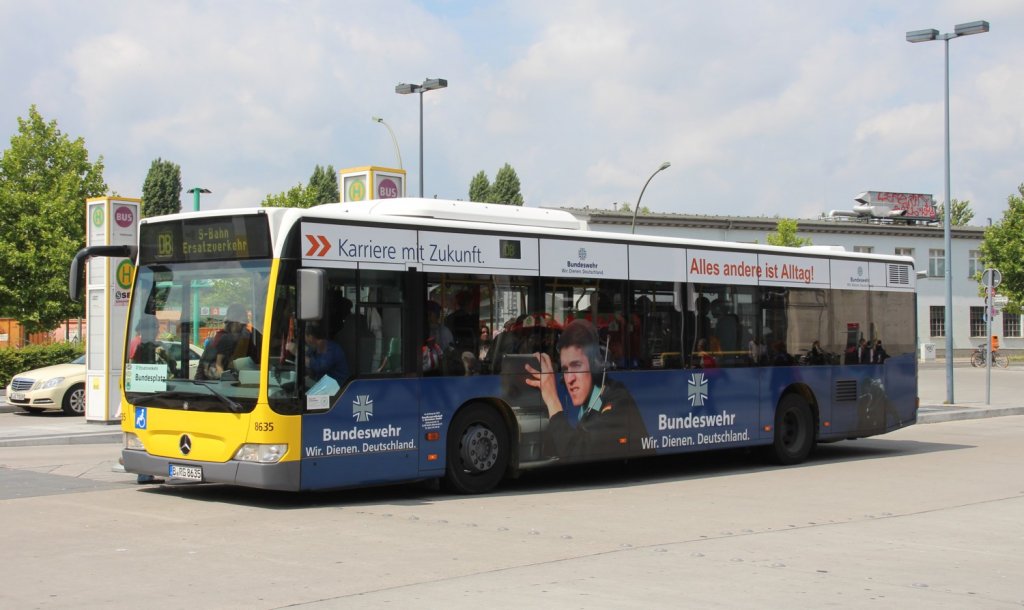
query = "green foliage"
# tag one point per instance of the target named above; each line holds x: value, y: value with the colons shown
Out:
x: 45, y: 178
x: 504, y: 190
x: 1003, y: 248
x: 628, y: 208
x: 15, y: 361
x: 324, y: 185
x: 479, y: 187
x: 322, y: 188
x: 161, y: 192
x: 296, y: 197
x: 962, y: 213
x: 785, y: 234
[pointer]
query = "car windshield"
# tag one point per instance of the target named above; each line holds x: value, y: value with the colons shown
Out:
x: 195, y: 331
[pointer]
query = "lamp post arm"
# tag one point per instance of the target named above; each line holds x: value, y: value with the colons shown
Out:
x: 636, y: 209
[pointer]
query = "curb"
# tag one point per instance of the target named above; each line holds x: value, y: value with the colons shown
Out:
x: 92, y: 438
x: 942, y: 413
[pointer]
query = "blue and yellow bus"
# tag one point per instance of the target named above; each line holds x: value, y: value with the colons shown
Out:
x: 403, y: 340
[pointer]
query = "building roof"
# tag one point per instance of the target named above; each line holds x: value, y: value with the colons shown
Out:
x: 846, y: 226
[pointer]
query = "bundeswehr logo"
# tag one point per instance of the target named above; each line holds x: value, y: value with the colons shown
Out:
x: 362, y: 408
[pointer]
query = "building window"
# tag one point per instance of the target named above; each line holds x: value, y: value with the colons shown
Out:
x: 937, y: 321
x: 1011, y: 325
x: 978, y: 322
x: 864, y: 249
x: 974, y: 267
x: 936, y: 262
x: 905, y: 252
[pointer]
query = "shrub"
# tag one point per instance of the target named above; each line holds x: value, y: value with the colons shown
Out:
x: 14, y: 361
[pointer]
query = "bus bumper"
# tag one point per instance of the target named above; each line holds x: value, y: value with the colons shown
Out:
x: 282, y: 475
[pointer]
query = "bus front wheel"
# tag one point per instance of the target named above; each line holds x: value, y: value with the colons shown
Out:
x: 478, y: 450
x: 794, y: 430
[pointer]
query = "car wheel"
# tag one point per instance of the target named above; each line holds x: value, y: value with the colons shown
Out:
x: 74, y: 400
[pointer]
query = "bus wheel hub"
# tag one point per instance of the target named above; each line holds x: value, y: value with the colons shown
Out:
x: 479, y: 449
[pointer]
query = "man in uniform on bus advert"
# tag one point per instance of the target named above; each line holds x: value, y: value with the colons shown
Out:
x: 591, y: 415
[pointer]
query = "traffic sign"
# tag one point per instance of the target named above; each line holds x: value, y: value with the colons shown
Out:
x: 991, y: 277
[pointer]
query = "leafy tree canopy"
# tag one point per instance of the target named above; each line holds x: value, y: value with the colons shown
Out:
x: 161, y: 192
x: 479, y: 187
x: 785, y: 234
x: 45, y: 178
x: 324, y: 184
x: 504, y: 190
x: 962, y: 213
x: 1003, y: 248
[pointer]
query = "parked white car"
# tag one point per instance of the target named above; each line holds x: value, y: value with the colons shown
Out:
x: 61, y: 386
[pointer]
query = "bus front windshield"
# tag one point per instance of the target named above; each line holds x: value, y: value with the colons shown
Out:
x: 194, y: 335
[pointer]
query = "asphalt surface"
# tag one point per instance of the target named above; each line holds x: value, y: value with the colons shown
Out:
x: 21, y: 429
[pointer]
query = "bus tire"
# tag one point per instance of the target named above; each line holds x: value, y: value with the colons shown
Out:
x: 794, y: 430
x: 478, y: 450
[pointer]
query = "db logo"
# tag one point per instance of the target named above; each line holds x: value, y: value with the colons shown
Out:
x: 387, y: 189
x: 124, y: 216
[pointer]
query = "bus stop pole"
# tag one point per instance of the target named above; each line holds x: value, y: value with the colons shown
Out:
x: 989, y: 308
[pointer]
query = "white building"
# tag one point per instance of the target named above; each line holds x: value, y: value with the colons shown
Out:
x: 923, y: 241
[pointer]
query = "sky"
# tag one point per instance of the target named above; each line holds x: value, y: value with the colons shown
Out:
x: 785, y: 108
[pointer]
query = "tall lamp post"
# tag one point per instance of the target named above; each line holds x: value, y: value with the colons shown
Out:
x: 196, y: 191
x: 394, y: 140
x: 428, y: 85
x: 963, y: 29
x: 662, y: 167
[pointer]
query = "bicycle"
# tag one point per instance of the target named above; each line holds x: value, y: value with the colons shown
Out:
x: 980, y: 354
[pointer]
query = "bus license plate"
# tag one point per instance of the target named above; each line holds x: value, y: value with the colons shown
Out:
x: 190, y: 473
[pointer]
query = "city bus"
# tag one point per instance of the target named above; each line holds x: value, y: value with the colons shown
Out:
x: 408, y: 340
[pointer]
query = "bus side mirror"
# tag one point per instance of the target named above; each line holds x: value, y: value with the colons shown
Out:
x: 311, y: 294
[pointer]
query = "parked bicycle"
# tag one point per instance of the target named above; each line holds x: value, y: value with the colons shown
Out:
x: 981, y: 354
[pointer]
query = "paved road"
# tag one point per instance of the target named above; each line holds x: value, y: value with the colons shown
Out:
x: 928, y: 516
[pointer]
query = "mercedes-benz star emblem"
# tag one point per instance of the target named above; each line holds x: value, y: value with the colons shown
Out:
x: 185, y: 444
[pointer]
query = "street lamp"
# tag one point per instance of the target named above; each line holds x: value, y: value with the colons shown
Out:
x: 963, y: 29
x: 428, y: 85
x: 394, y: 140
x: 196, y: 192
x: 663, y: 166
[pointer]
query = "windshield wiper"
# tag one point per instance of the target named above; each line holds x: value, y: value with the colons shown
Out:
x: 234, y: 406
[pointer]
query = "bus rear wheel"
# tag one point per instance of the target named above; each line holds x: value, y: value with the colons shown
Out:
x: 478, y: 450
x: 794, y: 430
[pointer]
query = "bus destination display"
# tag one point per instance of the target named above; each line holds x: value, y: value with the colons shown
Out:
x: 202, y: 240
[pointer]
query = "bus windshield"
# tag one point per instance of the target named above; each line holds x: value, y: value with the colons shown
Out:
x: 194, y: 335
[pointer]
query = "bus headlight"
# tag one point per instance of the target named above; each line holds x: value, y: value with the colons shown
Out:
x: 131, y: 441
x: 261, y: 454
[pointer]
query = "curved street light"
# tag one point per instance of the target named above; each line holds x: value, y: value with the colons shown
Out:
x: 663, y: 166
x: 394, y: 140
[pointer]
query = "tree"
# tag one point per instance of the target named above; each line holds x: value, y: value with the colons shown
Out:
x: 962, y: 213
x: 506, y: 187
x: 628, y: 208
x: 324, y: 185
x: 1003, y: 248
x: 296, y: 197
x: 322, y: 188
x: 479, y: 187
x: 45, y: 178
x: 161, y: 192
x: 785, y: 234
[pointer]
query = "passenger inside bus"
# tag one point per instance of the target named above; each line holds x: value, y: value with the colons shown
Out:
x: 324, y: 356
x: 147, y: 350
x: 232, y: 342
